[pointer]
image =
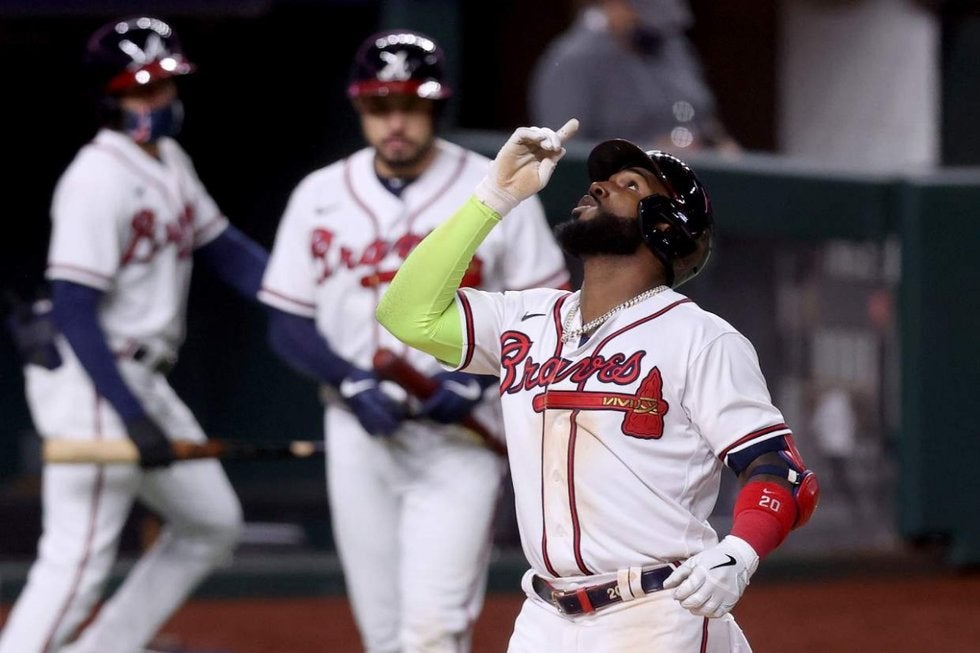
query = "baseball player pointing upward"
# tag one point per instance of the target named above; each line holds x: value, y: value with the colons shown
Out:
x: 622, y: 404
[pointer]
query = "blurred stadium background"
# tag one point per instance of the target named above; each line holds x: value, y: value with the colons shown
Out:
x: 856, y: 277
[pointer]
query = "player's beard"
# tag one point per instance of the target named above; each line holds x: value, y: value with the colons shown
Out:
x: 406, y: 162
x: 603, y: 234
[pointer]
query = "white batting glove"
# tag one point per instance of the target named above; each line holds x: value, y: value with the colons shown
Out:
x: 523, y: 166
x: 711, y: 583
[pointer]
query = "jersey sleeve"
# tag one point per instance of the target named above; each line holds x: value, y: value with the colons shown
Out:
x: 727, y: 397
x: 86, y: 234
x: 481, y: 315
x: 289, y: 282
x: 532, y: 257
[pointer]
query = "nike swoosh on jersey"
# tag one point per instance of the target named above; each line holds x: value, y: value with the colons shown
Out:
x: 350, y: 388
x: 528, y: 316
x: 470, y: 390
x: 731, y: 561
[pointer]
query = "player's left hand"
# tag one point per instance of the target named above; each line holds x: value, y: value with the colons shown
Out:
x: 458, y: 393
x: 378, y: 413
x: 524, y: 165
x: 711, y: 583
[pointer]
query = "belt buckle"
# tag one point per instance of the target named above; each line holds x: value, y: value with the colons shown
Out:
x: 555, y: 594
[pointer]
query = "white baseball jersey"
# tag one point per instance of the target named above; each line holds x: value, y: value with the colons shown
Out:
x: 127, y: 224
x: 616, y: 446
x: 343, y: 237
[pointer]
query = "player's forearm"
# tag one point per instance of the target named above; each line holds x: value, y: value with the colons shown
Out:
x: 296, y: 341
x: 75, y: 313
x: 237, y: 260
x: 419, y: 306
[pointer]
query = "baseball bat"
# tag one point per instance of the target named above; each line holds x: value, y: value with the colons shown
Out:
x: 123, y: 451
x: 390, y: 366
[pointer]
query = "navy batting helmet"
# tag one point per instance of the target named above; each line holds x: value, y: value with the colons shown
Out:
x: 129, y: 53
x: 686, y: 210
x: 398, y: 62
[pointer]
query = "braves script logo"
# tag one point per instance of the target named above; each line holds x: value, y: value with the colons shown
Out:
x: 147, y: 235
x: 329, y: 256
x: 644, y: 410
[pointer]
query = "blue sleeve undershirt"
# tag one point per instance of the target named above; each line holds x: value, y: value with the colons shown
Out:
x: 237, y: 260
x: 296, y: 340
x: 75, y: 312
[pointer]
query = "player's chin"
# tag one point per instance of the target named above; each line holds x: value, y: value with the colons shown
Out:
x: 401, y: 154
x: 603, y: 234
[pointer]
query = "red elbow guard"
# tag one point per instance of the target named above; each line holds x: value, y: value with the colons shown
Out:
x: 806, y: 495
x: 764, y: 515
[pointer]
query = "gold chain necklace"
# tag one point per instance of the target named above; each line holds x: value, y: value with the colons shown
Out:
x: 569, y: 334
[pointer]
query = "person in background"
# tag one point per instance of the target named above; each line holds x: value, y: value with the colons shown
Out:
x: 635, y: 54
x: 129, y: 217
x: 411, y: 492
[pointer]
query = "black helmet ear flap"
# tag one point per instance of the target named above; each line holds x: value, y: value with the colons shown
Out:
x: 665, y: 229
x: 677, y: 240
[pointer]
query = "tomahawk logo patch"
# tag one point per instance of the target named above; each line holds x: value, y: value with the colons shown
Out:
x: 396, y: 67
x: 644, y: 410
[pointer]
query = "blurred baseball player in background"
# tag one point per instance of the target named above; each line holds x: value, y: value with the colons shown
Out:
x: 127, y: 215
x: 411, y: 494
x: 622, y: 403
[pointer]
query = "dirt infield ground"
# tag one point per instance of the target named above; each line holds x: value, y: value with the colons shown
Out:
x: 935, y: 614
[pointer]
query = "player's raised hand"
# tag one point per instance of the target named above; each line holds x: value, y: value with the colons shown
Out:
x: 711, y: 583
x: 523, y: 165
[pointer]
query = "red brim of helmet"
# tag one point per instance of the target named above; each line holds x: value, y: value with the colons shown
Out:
x: 155, y: 70
x: 428, y: 89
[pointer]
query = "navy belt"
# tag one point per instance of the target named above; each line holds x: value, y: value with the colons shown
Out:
x: 594, y: 597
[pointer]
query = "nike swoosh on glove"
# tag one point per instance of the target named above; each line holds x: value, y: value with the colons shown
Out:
x: 458, y: 393
x: 378, y: 413
x: 711, y: 583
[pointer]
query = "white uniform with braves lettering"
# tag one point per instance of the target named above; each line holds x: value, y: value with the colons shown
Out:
x: 124, y: 223
x: 412, y: 514
x: 616, y: 449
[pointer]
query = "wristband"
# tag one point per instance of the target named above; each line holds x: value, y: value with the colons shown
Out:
x: 495, y: 197
x: 764, y: 515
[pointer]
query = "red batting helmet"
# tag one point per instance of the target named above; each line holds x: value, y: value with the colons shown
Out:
x: 398, y: 62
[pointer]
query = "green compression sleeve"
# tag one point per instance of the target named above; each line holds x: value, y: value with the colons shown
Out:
x: 419, y: 306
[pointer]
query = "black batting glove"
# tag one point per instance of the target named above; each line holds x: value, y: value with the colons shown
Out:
x: 153, y: 445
